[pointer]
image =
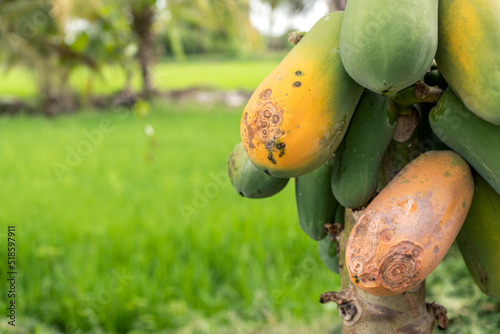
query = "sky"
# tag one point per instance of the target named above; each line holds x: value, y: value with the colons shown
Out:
x: 283, y: 22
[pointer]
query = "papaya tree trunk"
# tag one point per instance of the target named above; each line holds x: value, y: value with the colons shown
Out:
x: 365, y: 313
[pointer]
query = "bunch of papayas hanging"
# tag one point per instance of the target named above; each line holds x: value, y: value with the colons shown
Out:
x: 328, y: 112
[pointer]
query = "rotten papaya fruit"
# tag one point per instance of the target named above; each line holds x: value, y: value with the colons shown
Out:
x: 387, y: 46
x: 468, y: 53
x: 315, y: 201
x: 409, y: 226
x: 248, y: 180
x: 298, y: 115
x: 479, y: 238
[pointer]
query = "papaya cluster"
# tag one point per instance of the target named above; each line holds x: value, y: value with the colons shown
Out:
x: 393, y: 108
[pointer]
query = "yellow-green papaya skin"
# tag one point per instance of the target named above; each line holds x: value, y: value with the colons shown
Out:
x: 468, y: 54
x: 248, y: 180
x: 479, y: 238
x: 388, y: 45
x: 476, y: 140
x: 298, y: 115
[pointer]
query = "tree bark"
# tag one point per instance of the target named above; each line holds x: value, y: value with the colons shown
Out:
x: 143, y: 17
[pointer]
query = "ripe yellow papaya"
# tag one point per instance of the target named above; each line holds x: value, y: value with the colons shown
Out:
x: 297, y: 116
x: 388, y: 45
x: 479, y: 238
x: 407, y: 229
x: 468, y: 53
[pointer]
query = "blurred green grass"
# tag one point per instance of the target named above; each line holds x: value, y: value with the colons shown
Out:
x: 103, y: 245
x: 222, y: 74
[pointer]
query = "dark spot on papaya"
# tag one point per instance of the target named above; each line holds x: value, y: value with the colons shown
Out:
x: 245, y: 117
x: 281, y: 146
x: 263, y: 124
x: 446, y: 174
x: 267, y: 172
x: 463, y: 205
x: 276, y: 119
x: 267, y: 113
x: 385, y: 91
x: 241, y: 194
x: 386, y: 235
x: 270, y: 157
x: 265, y: 94
x: 264, y: 132
x: 298, y: 73
x: 297, y: 84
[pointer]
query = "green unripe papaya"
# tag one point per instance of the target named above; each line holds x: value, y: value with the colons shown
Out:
x: 476, y: 140
x: 315, y: 201
x: 358, y: 158
x: 479, y: 238
x: 248, y: 180
x: 388, y: 45
x: 327, y: 248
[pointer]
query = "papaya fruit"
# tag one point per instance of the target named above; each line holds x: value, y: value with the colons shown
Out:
x: 297, y: 116
x: 387, y: 46
x: 468, y: 56
x: 248, y: 180
x: 479, y: 238
x: 476, y: 140
x: 357, y: 159
x: 327, y: 247
x: 315, y: 201
x: 406, y: 230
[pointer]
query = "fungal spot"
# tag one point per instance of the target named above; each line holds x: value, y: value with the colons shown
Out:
x: 298, y: 73
x: 463, y: 205
x: 276, y: 119
x: 263, y: 124
x: 270, y: 157
x: 435, y: 250
x: 280, y: 146
x: 245, y: 117
x: 297, y: 84
x: 267, y: 113
x: 264, y: 132
x: 386, y: 235
x: 265, y: 94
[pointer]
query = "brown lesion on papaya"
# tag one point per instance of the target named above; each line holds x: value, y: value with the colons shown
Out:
x: 400, y: 268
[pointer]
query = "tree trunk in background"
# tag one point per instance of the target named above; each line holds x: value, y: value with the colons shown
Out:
x: 335, y: 5
x: 143, y: 17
